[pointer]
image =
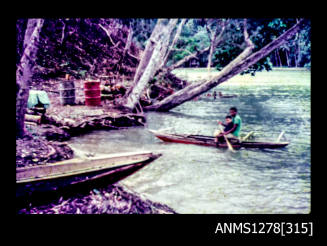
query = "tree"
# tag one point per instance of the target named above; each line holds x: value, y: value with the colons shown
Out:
x: 83, y: 48
x: 239, y: 64
x: 214, y: 40
x: 155, y: 51
x: 99, y: 46
x: 24, y: 71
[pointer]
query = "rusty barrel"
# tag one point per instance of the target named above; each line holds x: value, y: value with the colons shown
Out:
x: 67, y: 92
x: 92, y: 93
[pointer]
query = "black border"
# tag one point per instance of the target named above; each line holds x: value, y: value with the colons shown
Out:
x: 185, y: 227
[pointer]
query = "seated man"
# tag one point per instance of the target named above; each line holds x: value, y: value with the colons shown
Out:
x: 234, y: 132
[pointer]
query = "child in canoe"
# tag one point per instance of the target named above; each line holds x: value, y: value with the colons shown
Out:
x: 219, y: 135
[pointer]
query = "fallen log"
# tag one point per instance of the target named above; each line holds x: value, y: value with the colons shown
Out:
x: 33, y: 118
x: 30, y: 123
x: 79, y: 119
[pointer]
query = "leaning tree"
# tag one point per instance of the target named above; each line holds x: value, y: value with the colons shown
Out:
x: 159, y: 45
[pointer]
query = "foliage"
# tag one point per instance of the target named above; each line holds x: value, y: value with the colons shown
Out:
x: 142, y: 29
x: 262, y: 32
x: 80, y: 47
x: 193, y: 38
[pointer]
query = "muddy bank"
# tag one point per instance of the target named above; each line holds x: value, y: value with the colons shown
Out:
x: 79, y: 119
x: 44, y: 144
x: 88, y: 198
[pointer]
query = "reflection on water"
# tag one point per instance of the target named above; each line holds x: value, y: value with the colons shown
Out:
x: 197, y: 179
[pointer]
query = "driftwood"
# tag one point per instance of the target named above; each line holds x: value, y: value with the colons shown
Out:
x: 79, y: 119
x: 30, y: 123
x: 33, y: 118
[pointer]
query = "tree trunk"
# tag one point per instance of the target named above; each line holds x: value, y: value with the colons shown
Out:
x: 178, y: 33
x: 129, y: 41
x: 287, y: 58
x: 166, y: 40
x: 211, y: 52
x: 279, y: 60
x: 126, y: 49
x: 242, y: 62
x: 214, y: 40
x: 153, y: 54
x: 275, y: 59
x: 24, y: 71
x: 298, y: 52
x: 147, y: 53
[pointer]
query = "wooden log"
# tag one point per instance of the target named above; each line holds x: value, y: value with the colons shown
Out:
x: 33, y: 118
x: 30, y: 123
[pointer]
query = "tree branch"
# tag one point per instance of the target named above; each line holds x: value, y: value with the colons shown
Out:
x: 219, y: 38
x: 108, y: 33
x: 214, y: 42
x: 187, y: 58
x: 63, y: 32
x: 246, y: 35
x: 192, y: 54
x: 242, y: 62
x: 178, y: 32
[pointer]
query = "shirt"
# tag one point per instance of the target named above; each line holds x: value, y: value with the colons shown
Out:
x: 228, y: 127
x: 237, y: 120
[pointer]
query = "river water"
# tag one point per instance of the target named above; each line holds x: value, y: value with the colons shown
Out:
x: 206, y: 180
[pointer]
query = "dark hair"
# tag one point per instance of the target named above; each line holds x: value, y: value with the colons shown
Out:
x: 233, y: 108
x: 228, y: 117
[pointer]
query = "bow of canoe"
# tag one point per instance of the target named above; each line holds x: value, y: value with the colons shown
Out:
x: 55, y: 175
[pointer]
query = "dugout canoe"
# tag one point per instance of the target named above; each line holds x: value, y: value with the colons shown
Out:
x: 57, y: 175
x: 209, y: 141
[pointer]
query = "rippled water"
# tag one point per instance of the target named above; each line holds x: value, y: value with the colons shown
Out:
x: 197, y: 179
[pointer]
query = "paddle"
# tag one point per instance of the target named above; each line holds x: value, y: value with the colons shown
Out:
x: 230, y: 147
x: 280, y: 136
x: 247, y: 136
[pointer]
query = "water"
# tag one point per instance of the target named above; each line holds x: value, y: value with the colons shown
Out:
x: 197, y: 179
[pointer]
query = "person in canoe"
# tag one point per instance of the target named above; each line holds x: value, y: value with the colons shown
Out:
x: 219, y: 135
x: 234, y: 131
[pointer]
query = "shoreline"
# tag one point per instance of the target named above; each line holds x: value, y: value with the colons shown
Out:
x: 45, y: 143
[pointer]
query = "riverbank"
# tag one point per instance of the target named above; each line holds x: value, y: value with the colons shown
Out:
x: 112, y: 199
x: 45, y: 143
x: 90, y: 199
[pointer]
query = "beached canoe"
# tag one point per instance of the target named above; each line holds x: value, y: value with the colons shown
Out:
x: 209, y: 141
x: 60, y: 174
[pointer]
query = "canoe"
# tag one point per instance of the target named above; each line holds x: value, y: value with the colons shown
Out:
x: 78, y: 170
x: 226, y: 95
x: 209, y: 141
